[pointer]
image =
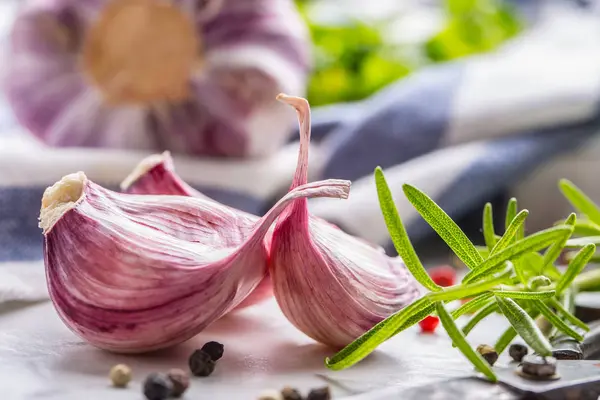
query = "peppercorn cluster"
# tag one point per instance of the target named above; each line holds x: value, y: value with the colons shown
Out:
x: 290, y: 393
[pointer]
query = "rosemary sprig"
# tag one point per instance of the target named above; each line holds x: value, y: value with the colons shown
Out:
x: 507, y: 260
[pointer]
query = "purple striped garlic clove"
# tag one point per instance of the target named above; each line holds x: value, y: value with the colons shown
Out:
x: 123, y: 275
x: 331, y: 285
x: 156, y: 174
x: 188, y: 76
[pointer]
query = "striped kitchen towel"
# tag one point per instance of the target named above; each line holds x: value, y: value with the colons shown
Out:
x: 514, y: 120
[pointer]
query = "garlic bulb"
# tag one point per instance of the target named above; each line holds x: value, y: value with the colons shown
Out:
x: 330, y: 285
x: 124, y: 276
x: 156, y: 175
x: 190, y: 76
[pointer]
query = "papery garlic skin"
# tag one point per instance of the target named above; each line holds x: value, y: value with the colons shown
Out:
x: 122, y: 277
x: 156, y: 175
x: 218, y: 101
x: 331, y: 285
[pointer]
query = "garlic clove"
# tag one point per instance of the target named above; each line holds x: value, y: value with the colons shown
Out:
x: 331, y: 285
x: 121, y: 276
x: 156, y: 175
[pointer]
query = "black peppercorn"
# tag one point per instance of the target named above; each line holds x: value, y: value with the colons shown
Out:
x: 180, y: 380
x: 289, y: 393
x: 488, y: 353
x: 157, y: 387
x: 201, y: 364
x: 319, y: 394
x: 518, y: 351
x: 214, y: 350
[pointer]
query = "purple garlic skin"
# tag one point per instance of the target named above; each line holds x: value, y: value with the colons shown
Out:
x: 123, y: 275
x: 331, y: 285
x: 156, y: 175
x: 77, y: 75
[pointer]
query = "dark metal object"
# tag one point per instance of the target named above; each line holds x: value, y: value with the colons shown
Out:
x: 567, y: 348
x: 580, y: 380
x: 538, y: 366
x: 578, y: 370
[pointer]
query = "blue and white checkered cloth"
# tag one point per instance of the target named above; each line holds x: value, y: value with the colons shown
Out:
x: 515, y: 120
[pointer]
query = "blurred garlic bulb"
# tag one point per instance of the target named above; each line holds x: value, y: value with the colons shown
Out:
x: 331, y: 285
x: 192, y: 76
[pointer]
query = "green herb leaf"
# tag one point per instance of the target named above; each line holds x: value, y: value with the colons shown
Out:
x: 513, y: 294
x: 415, y: 318
x: 580, y: 201
x: 398, y: 233
x: 554, y: 251
x: 461, y: 342
x: 488, y: 227
x: 479, y: 316
x: 568, y: 315
x: 586, y: 228
x: 511, y: 232
x: 511, y: 212
x: 525, y: 326
x: 557, y: 322
x: 483, y: 250
x: 532, y: 264
x: 538, y: 281
x: 367, y: 342
x: 461, y: 291
x: 588, y: 281
x: 575, y: 267
x: 444, y: 226
x: 505, y: 339
x: 581, y: 242
x: 534, y: 242
x: 473, y: 305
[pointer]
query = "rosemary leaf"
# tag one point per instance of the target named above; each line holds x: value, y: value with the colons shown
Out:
x: 511, y: 232
x: 525, y: 326
x: 473, y: 305
x: 579, y: 200
x: 368, y: 341
x: 588, y: 281
x: 461, y: 342
x: 511, y: 212
x: 554, y: 251
x: 398, y: 233
x: 444, y: 226
x: 488, y: 227
x: 580, y: 242
x: 461, y: 291
x: 415, y: 318
x: 534, y: 242
x: 586, y: 228
x: 557, y: 322
x: 576, y: 265
x: 513, y: 294
x: 567, y: 314
x: 505, y: 339
x: 538, y: 281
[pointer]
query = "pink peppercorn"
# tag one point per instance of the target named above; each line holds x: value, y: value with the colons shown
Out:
x: 428, y: 324
x: 443, y: 275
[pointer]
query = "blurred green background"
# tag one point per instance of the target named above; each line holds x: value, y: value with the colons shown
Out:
x: 356, y: 54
